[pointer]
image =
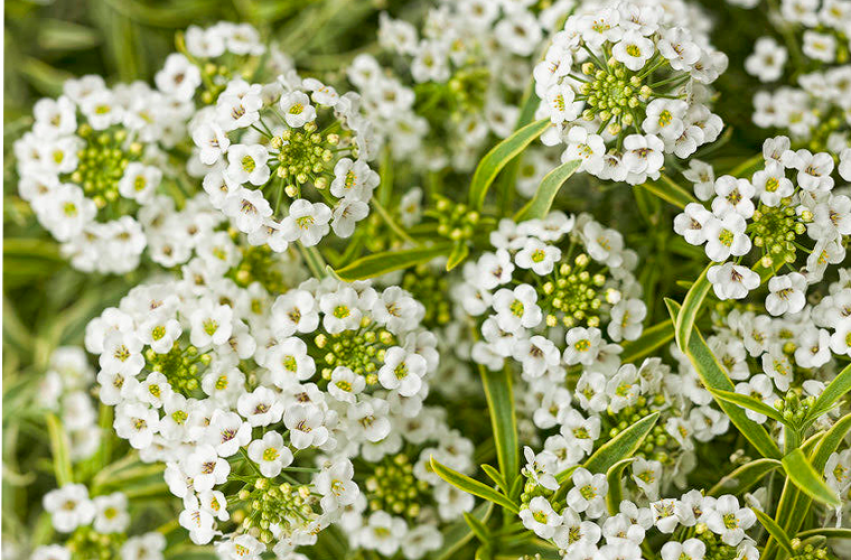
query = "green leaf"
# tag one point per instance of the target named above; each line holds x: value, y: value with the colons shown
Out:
x: 774, y: 530
x: 670, y: 192
x: 500, y: 396
x: 59, y: 447
x: 471, y: 486
x: 478, y: 528
x: 837, y: 388
x: 618, y: 448
x: 743, y: 478
x: 713, y: 376
x: 458, y: 534
x: 691, y: 307
x: 748, y: 402
x: 457, y: 256
x: 499, y: 156
x: 831, y: 441
x: 613, y: 476
x: 382, y: 263
x: 651, y: 339
x: 497, y: 477
x: 540, y: 205
x: 826, y: 532
x: 805, y: 477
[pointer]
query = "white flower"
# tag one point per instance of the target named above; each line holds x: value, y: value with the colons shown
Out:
x: 633, y: 50
x: 270, y: 454
x: 137, y: 423
x: 247, y: 164
x: 354, y: 180
x: 788, y: 294
x: 306, y: 222
x: 206, y: 468
x: 248, y: 208
x: 111, y: 513
x: 538, y: 256
x: 731, y: 281
x: 336, y: 486
x: 402, y: 371
x: 305, y: 422
x: 627, y: 316
x: 588, y: 494
x: 767, y: 60
x: 340, y: 310
x: 690, y: 224
x: 665, y: 118
x: 583, y: 345
x: 540, y: 518
x: 692, y: 549
x: 212, y: 141
x: 730, y: 521
x: 69, y: 507
x: 734, y: 195
x: 242, y: 547
x: 726, y: 236
x: 517, y: 309
x: 347, y: 214
x: 297, y: 109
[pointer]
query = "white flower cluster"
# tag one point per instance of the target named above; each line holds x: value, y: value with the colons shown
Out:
x: 625, y: 86
x: 95, y: 156
x: 404, y: 504
x: 470, y: 61
x: 97, y: 524
x: 228, y: 386
x: 65, y: 390
x: 534, y: 292
x: 787, y: 201
x: 581, y: 526
x: 817, y: 108
x: 285, y: 140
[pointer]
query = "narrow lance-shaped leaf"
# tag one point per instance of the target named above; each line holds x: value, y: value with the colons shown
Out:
x: 540, y: 205
x: 805, y: 477
x: 750, y: 403
x: 651, y: 339
x: 613, y: 476
x: 457, y: 256
x: 459, y: 533
x: 775, y: 531
x: 744, y: 477
x: 691, y: 307
x: 713, y: 376
x: 620, y: 447
x: 830, y: 442
x: 479, y: 529
x: 670, y: 192
x: 472, y: 486
x: 500, y: 397
x: 499, y: 156
x: 378, y: 264
x: 826, y: 532
x: 60, y: 447
x: 835, y: 390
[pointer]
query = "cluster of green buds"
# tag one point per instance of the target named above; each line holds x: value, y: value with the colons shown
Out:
x: 306, y: 155
x: 455, y: 221
x: 716, y: 549
x: 807, y: 551
x: 258, y: 264
x: 793, y: 407
x: 87, y: 544
x: 361, y: 351
x: 393, y: 487
x: 658, y: 445
x: 574, y: 294
x: 268, y: 504
x: 429, y: 289
x: 468, y: 89
x: 775, y: 230
x: 613, y: 94
x: 181, y: 366
x: 102, y: 162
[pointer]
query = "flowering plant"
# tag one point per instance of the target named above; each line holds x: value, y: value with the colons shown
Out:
x: 428, y: 280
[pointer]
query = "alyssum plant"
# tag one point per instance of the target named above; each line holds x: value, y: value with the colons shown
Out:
x: 499, y: 285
